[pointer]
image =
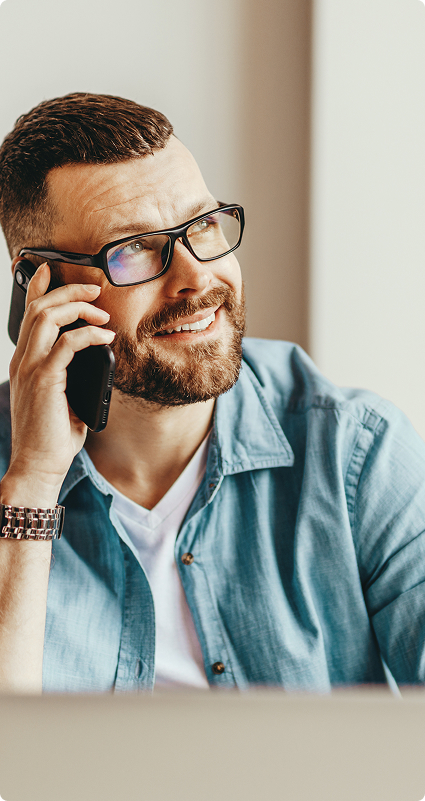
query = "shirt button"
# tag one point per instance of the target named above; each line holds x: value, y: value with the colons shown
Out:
x: 187, y: 558
x: 218, y: 668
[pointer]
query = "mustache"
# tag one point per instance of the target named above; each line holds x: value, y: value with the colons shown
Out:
x: 171, y: 313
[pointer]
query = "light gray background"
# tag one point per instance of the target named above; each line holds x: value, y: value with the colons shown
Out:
x: 143, y: 50
x: 334, y: 255
x: 368, y: 198
x: 232, y: 75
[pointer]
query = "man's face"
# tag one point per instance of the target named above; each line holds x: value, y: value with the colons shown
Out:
x: 97, y: 204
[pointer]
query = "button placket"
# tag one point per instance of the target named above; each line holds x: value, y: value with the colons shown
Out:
x: 202, y: 606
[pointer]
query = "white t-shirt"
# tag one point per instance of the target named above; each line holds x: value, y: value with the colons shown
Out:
x: 178, y: 655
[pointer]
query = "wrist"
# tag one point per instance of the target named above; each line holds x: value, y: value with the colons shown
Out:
x: 17, y: 489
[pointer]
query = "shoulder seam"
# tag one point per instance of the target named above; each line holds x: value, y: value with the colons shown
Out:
x: 356, y: 465
x: 370, y: 421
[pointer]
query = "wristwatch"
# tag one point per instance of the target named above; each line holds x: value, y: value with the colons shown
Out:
x: 23, y: 523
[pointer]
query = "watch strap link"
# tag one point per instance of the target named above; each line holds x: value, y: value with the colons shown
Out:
x: 23, y: 523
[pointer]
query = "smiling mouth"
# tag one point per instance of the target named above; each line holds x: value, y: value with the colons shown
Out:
x: 200, y: 325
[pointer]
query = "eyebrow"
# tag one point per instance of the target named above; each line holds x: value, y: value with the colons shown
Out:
x: 117, y: 232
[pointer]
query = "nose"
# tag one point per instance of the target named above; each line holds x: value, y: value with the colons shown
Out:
x: 186, y: 275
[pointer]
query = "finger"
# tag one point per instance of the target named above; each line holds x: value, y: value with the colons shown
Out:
x: 51, y: 372
x: 38, y: 284
x: 63, y: 294
x: 40, y: 304
x: 69, y: 344
x: 45, y: 330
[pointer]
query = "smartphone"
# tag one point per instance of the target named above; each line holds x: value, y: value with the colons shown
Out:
x: 90, y: 375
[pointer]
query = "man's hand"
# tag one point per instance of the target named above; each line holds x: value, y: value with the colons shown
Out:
x: 46, y: 434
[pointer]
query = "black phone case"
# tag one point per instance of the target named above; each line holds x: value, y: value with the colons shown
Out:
x: 90, y: 375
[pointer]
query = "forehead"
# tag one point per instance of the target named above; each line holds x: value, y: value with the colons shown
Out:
x: 95, y: 203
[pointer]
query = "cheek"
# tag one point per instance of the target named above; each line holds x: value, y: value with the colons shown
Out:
x: 127, y: 305
x: 233, y: 274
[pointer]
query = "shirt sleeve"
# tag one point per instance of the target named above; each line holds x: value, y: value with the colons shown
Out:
x: 389, y: 535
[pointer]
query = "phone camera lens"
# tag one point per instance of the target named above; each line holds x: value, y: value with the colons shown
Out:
x: 19, y: 278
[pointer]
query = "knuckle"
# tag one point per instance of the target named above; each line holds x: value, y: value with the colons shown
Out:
x: 31, y: 309
x: 39, y: 378
x: 94, y: 334
x: 66, y: 339
x: 23, y: 371
x: 36, y: 380
x: 44, y: 316
x: 13, y: 366
x: 37, y: 383
x: 18, y: 374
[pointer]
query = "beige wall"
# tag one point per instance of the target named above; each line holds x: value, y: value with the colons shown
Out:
x: 275, y: 111
x: 368, y: 198
x: 233, y: 77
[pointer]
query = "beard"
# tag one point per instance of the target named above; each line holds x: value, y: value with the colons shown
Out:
x: 205, y: 369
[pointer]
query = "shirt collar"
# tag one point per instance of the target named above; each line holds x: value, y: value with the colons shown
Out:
x: 246, y: 436
x: 80, y: 468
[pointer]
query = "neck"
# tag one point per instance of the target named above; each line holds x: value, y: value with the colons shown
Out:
x: 145, y: 447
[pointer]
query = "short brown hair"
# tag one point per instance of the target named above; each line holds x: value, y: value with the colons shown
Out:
x: 74, y: 129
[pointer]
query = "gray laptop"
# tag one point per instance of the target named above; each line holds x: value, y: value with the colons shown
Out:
x: 213, y: 746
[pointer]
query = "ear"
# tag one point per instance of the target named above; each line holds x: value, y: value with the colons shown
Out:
x: 36, y: 262
x: 15, y: 261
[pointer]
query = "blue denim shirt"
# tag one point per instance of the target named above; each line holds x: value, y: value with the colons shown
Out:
x: 308, y: 540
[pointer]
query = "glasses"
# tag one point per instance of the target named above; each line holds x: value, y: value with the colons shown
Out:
x: 138, y: 259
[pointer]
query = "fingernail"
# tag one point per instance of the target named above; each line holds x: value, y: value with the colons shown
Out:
x: 92, y: 287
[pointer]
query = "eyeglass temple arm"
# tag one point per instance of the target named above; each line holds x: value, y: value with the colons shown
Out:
x: 55, y: 255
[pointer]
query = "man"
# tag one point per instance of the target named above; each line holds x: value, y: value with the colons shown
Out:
x: 233, y: 525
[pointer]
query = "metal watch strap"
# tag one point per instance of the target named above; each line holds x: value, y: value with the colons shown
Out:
x: 23, y: 523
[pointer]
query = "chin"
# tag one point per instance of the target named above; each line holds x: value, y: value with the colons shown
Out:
x: 200, y: 369
x: 206, y: 370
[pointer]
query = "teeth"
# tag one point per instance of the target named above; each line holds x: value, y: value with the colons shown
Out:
x: 201, y: 325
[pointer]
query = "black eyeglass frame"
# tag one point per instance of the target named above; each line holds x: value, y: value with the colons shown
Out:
x: 99, y: 260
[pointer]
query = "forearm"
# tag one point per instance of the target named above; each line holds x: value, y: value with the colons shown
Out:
x: 46, y: 436
x: 24, y: 575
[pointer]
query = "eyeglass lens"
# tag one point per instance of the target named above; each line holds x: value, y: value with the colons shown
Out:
x: 145, y: 256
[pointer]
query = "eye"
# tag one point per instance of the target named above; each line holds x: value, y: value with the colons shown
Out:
x: 133, y: 248
x: 203, y: 225
x: 130, y: 250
